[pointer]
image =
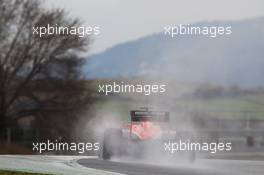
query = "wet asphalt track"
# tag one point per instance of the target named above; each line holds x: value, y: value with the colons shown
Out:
x: 202, y: 167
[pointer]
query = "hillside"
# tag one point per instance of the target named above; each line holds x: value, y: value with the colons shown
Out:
x: 236, y: 59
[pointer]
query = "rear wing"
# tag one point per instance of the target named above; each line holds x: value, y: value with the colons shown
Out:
x: 155, y: 116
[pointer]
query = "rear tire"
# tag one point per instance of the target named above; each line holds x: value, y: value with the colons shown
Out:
x: 111, y: 143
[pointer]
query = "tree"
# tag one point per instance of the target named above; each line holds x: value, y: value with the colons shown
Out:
x: 39, y: 76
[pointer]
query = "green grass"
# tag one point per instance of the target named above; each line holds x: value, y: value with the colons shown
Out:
x: 2, y: 172
x: 250, y: 106
x: 239, y: 107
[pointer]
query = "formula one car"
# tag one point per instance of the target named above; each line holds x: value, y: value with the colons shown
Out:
x: 144, y: 134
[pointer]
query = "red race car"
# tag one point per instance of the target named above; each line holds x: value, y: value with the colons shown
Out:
x: 144, y: 134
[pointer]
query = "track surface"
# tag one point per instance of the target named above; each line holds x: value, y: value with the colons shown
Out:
x: 201, y: 167
x: 83, y: 165
x: 47, y: 164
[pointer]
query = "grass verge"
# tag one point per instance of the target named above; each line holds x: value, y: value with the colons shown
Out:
x: 2, y: 172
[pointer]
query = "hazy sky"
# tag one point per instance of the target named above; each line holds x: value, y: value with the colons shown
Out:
x: 123, y: 20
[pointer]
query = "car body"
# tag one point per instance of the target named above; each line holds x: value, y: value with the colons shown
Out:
x: 147, y: 129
